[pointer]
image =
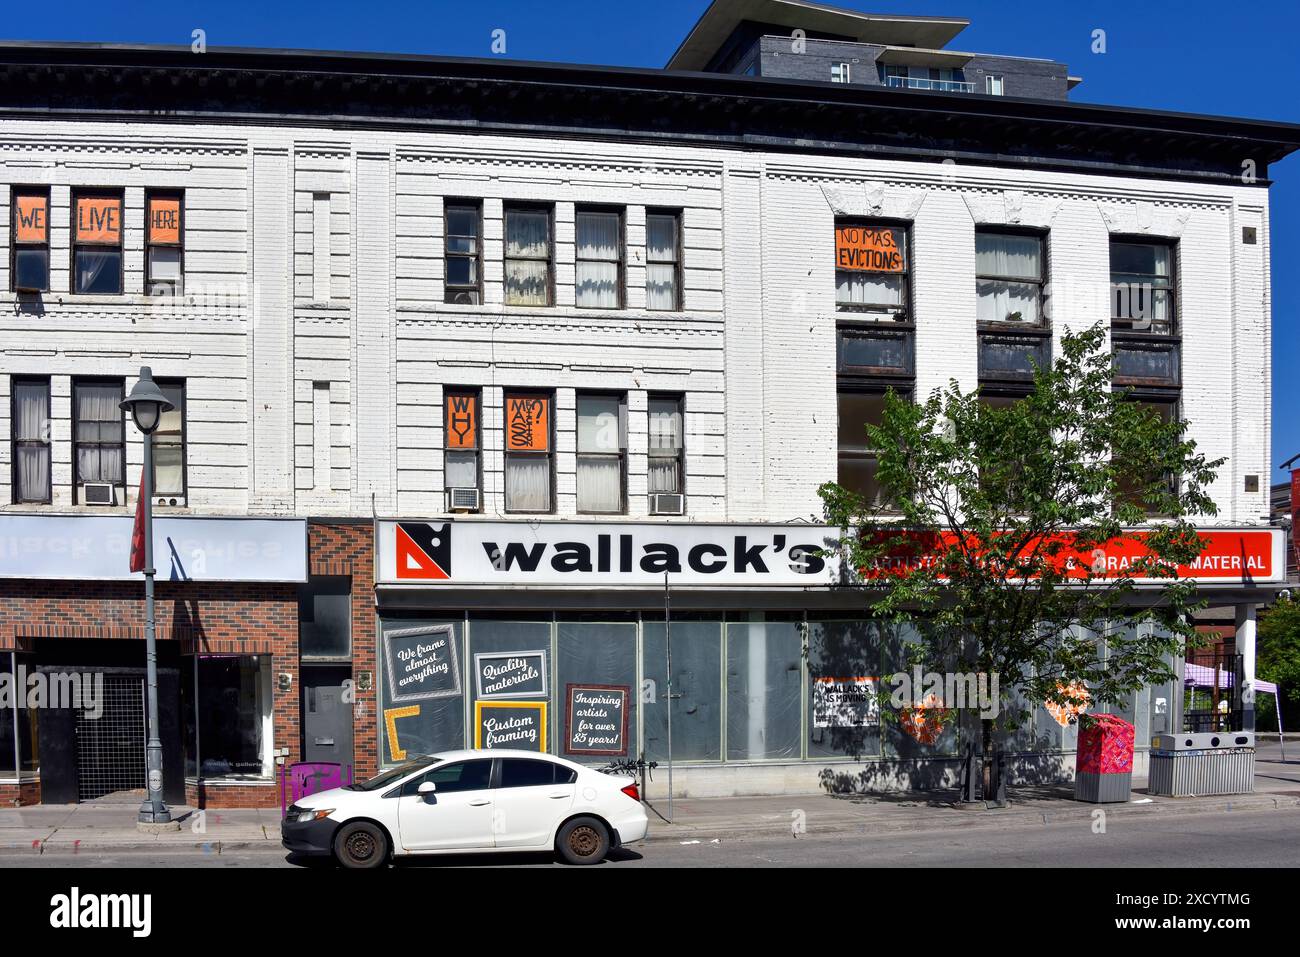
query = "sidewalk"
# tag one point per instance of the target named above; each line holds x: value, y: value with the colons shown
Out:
x: 87, y: 828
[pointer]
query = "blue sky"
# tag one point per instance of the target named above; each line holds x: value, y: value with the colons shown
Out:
x: 1196, y: 56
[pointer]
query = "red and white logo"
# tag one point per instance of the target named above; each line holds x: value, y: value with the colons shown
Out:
x: 423, y: 551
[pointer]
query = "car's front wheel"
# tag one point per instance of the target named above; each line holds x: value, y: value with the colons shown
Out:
x: 361, y: 845
x: 584, y: 840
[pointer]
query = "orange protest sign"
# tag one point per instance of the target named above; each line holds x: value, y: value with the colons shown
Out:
x: 99, y: 220
x: 528, y: 423
x: 869, y: 249
x: 31, y: 218
x: 164, y: 220
x: 462, y: 419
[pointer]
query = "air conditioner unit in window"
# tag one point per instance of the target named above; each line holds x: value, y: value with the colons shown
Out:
x: 462, y: 500
x: 667, y: 503
x: 98, y: 493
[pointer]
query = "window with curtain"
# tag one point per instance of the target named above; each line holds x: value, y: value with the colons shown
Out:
x: 602, y: 426
x: 31, y: 233
x: 31, y: 440
x: 1009, y: 277
x: 1142, y: 286
x: 99, y: 441
x: 461, y: 424
x: 169, y: 443
x: 463, y: 225
x: 164, y: 253
x: 528, y: 253
x: 872, y: 265
x: 663, y: 273
x: 529, y: 450
x: 599, y: 259
x: 97, y: 243
x: 666, y: 444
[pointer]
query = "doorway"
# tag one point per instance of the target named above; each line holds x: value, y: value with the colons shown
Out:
x: 326, y: 714
x: 111, y: 747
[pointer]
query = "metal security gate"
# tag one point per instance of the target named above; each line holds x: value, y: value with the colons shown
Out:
x: 110, y: 748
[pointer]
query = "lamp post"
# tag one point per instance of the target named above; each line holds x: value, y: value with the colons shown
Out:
x: 146, y: 403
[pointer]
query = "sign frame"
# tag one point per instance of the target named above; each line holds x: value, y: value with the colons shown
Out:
x: 481, y: 705
x: 569, y: 689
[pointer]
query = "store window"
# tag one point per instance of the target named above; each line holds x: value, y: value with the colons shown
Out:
x: 169, y: 443
x: 30, y: 429
x: 99, y: 439
x: 30, y: 267
x: 165, y: 246
x: 667, y: 446
x: 599, y: 656
x: 599, y: 259
x: 529, y: 256
x: 227, y: 705
x: 663, y: 271
x: 97, y: 243
x: 602, y: 441
x: 696, y: 689
x: 764, y: 677
x: 844, y: 674
x: 461, y: 465
x: 872, y: 263
x: 463, y: 253
x: 420, y: 667
x: 529, y: 452
x: 325, y: 617
x: 1142, y: 286
x: 1009, y: 277
x: 18, y: 725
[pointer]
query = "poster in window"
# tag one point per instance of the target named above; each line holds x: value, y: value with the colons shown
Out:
x: 869, y: 249
x: 421, y: 663
x: 845, y: 702
x: 462, y: 421
x: 595, y: 719
x: 99, y: 220
x: 528, y: 423
x: 520, y: 725
x: 31, y: 219
x: 164, y: 220
x: 511, y: 674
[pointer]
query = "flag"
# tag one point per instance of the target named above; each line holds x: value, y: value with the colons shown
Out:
x: 137, y: 533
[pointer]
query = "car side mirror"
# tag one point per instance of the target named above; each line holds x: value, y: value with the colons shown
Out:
x: 428, y: 787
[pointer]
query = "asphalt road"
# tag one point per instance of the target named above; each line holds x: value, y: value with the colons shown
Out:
x: 1224, y: 839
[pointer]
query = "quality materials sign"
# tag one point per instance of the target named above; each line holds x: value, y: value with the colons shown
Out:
x: 595, y: 719
x: 514, y: 674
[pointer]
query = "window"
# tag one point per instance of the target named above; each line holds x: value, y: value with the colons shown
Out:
x: 164, y: 254
x: 529, y: 451
x: 663, y: 271
x: 857, y: 459
x: 325, y: 617
x: 450, y: 778
x: 599, y: 265
x: 839, y: 73
x: 30, y: 421
x: 99, y: 441
x: 602, y: 427
x: 1142, y: 286
x: 169, y: 443
x: 666, y: 445
x: 993, y: 85
x: 528, y: 773
x: 19, y: 737
x: 1009, y: 277
x: 30, y: 267
x: 528, y: 256
x: 871, y: 268
x: 461, y: 422
x: 463, y: 233
x: 97, y: 243
x: 227, y: 713
x: 1163, y: 406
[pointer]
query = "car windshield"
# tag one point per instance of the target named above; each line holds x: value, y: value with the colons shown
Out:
x: 385, y: 778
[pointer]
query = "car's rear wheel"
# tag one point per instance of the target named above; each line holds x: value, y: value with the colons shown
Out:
x: 361, y: 845
x: 584, y: 840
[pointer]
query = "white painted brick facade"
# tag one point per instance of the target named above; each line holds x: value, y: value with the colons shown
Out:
x: 284, y: 385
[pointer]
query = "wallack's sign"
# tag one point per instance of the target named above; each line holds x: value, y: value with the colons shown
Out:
x: 754, y: 556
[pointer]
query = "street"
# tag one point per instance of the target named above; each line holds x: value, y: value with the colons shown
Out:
x: 1223, y: 839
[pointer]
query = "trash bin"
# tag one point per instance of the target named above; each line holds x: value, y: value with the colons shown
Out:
x: 1103, y: 771
x: 1201, y: 764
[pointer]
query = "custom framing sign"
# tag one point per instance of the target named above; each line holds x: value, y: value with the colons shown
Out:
x: 596, y: 719
x: 520, y: 725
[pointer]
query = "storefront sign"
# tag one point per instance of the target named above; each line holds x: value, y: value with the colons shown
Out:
x: 869, y: 249
x: 595, y: 719
x: 845, y: 702
x: 519, y: 725
x: 98, y: 547
x: 421, y: 663
x: 513, y: 674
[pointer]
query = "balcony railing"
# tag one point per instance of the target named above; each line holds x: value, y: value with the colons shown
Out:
x: 943, y: 86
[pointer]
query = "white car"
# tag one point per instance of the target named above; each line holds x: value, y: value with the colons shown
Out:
x: 475, y: 801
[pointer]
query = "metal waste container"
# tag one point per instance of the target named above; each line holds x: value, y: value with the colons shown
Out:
x: 1202, y: 764
x: 1103, y: 770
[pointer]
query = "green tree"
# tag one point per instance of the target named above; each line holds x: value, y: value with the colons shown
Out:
x: 1279, y: 661
x: 992, y: 524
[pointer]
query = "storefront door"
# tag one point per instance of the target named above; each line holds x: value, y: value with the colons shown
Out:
x: 326, y: 715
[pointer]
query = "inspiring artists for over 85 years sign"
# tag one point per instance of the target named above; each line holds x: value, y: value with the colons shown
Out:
x: 595, y: 719
x: 421, y: 663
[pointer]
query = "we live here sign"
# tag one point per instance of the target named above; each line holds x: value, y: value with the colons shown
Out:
x: 442, y: 553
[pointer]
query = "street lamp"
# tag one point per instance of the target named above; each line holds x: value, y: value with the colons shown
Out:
x: 146, y: 403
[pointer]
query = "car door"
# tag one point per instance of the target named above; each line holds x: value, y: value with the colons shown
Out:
x: 531, y: 797
x: 457, y: 814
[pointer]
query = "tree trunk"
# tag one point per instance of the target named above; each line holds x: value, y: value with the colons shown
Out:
x: 986, y: 760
